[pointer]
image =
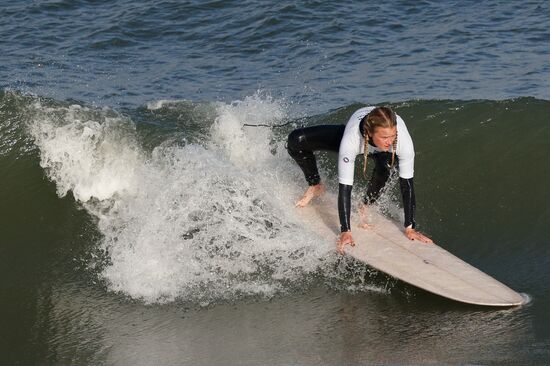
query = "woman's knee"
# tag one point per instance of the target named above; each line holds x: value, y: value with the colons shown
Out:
x: 296, y: 140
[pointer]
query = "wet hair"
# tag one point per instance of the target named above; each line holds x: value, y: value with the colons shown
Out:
x: 379, y: 117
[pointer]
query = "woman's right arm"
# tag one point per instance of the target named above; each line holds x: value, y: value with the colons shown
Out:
x: 344, y: 206
x: 344, y: 213
x: 350, y: 147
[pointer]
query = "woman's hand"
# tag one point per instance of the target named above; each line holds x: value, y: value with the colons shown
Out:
x: 345, y: 239
x: 412, y: 234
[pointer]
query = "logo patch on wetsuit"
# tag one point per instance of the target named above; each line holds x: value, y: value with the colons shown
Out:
x: 346, y: 160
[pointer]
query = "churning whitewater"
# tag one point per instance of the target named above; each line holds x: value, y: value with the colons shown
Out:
x: 200, y: 221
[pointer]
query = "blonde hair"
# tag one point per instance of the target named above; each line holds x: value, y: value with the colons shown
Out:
x: 378, y: 117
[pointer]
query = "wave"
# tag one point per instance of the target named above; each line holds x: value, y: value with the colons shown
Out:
x: 192, y: 205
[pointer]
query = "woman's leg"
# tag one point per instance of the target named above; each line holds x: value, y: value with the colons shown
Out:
x: 301, y: 145
x: 304, y: 141
x: 380, y: 175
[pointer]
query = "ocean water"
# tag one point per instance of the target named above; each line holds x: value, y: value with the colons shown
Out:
x: 145, y: 222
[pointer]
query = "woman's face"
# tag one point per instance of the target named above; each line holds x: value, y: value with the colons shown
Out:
x: 383, y: 137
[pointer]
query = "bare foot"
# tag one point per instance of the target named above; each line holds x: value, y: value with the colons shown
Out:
x: 363, y: 224
x: 366, y: 226
x: 311, y: 193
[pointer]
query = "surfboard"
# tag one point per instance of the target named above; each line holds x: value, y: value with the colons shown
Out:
x: 427, y: 266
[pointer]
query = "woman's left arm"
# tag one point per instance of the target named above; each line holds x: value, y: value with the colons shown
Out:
x: 409, y: 206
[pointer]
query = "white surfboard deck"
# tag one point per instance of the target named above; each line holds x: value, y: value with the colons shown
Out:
x: 427, y: 266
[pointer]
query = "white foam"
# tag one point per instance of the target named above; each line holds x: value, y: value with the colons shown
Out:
x: 159, y: 104
x: 198, y: 222
x: 93, y: 158
x: 527, y: 299
x: 246, y: 147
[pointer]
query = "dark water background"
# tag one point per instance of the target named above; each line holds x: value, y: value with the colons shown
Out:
x: 142, y: 224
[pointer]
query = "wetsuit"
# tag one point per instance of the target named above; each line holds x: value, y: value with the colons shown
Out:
x: 348, y: 141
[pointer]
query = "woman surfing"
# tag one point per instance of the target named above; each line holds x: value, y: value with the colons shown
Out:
x: 376, y: 132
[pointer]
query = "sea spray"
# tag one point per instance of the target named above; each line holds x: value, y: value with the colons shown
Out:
x: 201, y: 222
x: 91, y: 153
x: 248, y: 146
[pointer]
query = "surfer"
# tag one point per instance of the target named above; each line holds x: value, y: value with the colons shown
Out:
x: 376, y: 132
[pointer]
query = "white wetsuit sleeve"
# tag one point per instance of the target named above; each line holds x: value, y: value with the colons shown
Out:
x: 346, y: 164
x: 351, y: 146
x: 405, y: 150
